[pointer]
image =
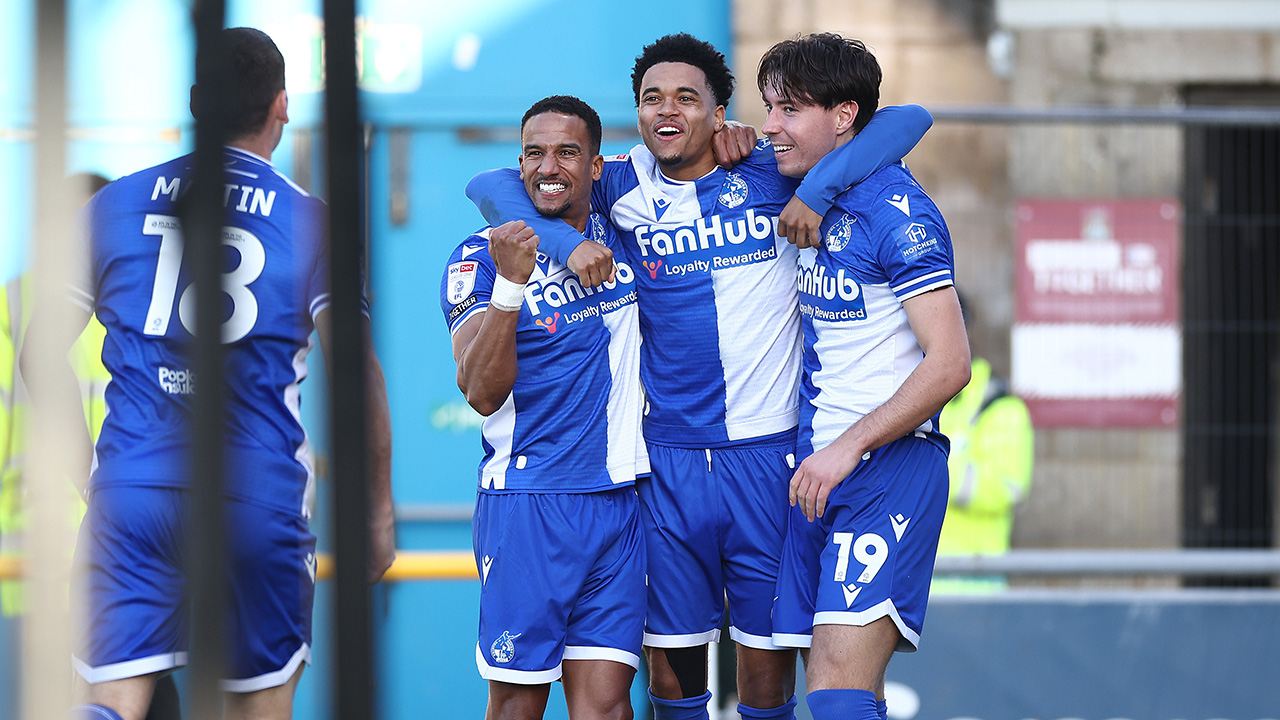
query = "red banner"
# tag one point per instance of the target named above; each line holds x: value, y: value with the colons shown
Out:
x: 1097, y: 340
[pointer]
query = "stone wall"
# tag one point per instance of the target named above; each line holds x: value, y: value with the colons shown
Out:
x: 1093, y: 488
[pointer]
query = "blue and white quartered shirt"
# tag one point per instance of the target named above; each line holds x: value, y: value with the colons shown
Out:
x: 572, y: 420
x: 884, y: 242
x: 718, y: 304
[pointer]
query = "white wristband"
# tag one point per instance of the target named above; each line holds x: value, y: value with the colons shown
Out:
x: 506, y: 295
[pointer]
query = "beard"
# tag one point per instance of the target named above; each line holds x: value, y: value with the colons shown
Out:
x: 554, y: 211
x: 670, y: 160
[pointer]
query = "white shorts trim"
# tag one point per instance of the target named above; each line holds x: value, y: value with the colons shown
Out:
x: 128, y: 668
x: 910, y: 638
x: 792, y: 640
x: 515, y: 677
x: 681, y: 641
x: 585, y: 652
x: 271, y: 679
x: 759, y: 642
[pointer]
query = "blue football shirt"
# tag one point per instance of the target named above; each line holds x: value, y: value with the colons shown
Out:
x: 884, y: 242
x: 275, y: 280
x: 572, y: 420
x: 718, y: 303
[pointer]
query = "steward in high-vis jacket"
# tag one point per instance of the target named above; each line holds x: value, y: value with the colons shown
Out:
x: 992, y: 452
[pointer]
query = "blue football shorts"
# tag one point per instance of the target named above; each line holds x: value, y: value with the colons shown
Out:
x: 129, y: 574
x: 872, y: 552
x: 562, y: 578
x: 714, y: 520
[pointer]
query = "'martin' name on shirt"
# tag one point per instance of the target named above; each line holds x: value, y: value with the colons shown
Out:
x: 247, y: 198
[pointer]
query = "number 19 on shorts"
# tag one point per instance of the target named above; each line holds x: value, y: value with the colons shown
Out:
x: 869, y: 549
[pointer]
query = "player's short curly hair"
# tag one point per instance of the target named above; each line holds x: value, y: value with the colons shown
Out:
x: 685, y: 48
x: 253, y: 72
x: 568, y: 105
x: 824, y: 69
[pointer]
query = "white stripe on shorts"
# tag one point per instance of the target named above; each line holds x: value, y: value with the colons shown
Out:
x: 910, y: 638
x: 271, y: 679
x: 681, y: 641
x: 759, y: 642
x: 515, y: 677
x: 128, y: 668
x: 791, y: 640
x: 585, y: 652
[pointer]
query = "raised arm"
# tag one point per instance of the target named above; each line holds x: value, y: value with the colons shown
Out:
x: 891, y: 134
x: 484, y: 347
x: 500, y: 196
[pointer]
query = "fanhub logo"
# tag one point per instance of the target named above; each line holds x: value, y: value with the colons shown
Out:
x: 540, y: 297
x: 704, y: 234
x: 817, y: 281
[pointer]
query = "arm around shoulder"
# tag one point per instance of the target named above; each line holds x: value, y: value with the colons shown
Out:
x: 500, y: 196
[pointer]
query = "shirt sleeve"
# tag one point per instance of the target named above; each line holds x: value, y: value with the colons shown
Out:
x: 500, y: 196
x: 911, y: 243
x: 312, y: 225
x: 891, y: 134
x: 467, y: 283
x: 81, y: 285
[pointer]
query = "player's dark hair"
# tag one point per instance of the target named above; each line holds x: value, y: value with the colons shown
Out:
x: 824, y: 69
x: 253, y: 73
x: 568, y: 105
x: 685, y: 48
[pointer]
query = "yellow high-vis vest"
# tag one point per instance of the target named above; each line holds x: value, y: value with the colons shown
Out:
x: 86, y: 359
x: 992, y: 454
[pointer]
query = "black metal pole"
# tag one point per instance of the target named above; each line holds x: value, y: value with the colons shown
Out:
x: 202, y: 218
x: 353, y: 682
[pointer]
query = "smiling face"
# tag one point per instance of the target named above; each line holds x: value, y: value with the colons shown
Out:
x: 803, y: 133
x: 677, y: 117
x: 558, y: 166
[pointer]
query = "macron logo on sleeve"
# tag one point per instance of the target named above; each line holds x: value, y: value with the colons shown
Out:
x: 902, y: 202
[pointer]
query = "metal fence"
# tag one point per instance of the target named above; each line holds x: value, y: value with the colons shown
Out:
x: 1124, y: 266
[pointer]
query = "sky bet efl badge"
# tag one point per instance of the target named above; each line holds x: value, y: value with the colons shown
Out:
x: 462, y: 278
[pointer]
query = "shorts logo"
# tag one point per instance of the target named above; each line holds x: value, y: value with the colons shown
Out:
x: 310, y: 562
x: 838, y: 235
x: 652, y: 266
x: 850, y: 593
x: 503, y: 649
x: 462, y: 277
x: 486, y: 563
x: 549, y: 323
x: 734, y: 190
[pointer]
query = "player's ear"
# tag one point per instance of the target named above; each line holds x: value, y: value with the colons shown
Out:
x: 597, y: 167
x: 846, y: 113
x: 719, y: 116
x: 280, y: 106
